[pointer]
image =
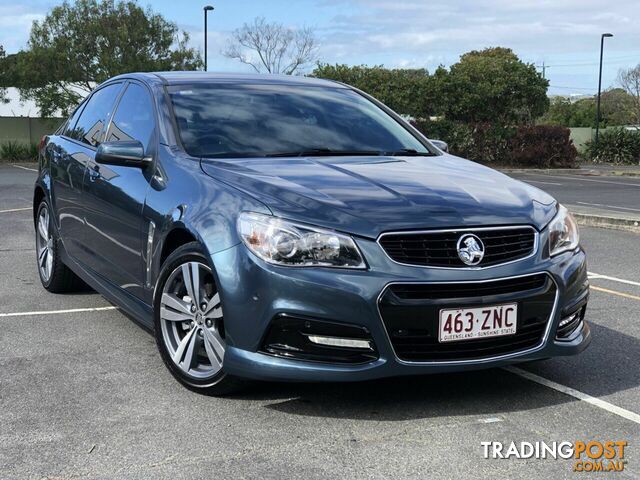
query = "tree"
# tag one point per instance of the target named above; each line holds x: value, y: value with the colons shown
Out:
x: 494, y: 85
x: 3, y: 80
x: 83, y: 44
x: 630, y: 82
x: 406, y: 91
x: 567, y: 113
x: 616, y: 109
x: 273, y: 47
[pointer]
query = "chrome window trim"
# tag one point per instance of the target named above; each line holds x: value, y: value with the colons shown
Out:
x: 476, y: 361
x: 534, y: 250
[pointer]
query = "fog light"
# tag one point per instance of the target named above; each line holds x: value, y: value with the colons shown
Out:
x: 340, y: 342
x: 305, y: 338
x: 569, y: 325
x: 569, y: 319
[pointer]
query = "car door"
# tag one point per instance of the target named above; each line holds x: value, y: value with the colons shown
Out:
x: 114, y: 195
x: 69, y: 154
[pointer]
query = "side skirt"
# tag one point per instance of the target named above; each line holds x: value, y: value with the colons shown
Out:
x: 134, y: 308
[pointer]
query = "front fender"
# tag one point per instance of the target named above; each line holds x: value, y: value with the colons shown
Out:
x: 188, y: 199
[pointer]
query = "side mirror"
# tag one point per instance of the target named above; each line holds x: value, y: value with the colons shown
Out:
x: 440, y: 145
x: 126, y: 154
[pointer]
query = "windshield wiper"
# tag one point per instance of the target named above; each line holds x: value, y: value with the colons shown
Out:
x: 408, y: 152
x: 321, y: 152
x: 316, y: 152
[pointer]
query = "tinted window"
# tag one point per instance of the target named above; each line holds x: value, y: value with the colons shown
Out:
x: 95, y: 114
x: 68, y: 129
x: 254, y: 120
x: 134, y: 118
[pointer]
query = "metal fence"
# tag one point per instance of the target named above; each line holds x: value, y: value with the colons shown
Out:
x: 26, y: 130
x: 582, y: 135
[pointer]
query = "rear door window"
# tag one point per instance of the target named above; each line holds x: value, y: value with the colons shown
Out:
x: 88, y: 129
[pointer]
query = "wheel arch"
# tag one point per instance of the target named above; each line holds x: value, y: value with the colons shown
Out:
x: 38, y: 195
x: 176, y: 237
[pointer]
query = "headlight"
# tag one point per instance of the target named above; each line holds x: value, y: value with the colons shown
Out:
x: 563, y: 232
x: 281, y: 242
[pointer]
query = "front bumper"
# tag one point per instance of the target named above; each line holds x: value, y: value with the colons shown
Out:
x: 255, y: 293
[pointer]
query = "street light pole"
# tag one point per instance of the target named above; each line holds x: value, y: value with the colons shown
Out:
x: 206, y: 9
x: 602, y: 37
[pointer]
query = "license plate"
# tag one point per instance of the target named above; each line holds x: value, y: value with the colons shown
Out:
x: 458, y: 324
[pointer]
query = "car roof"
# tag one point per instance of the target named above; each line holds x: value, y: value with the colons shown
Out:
x: 181, y: 78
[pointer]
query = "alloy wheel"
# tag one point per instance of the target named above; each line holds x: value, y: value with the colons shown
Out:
x: 191, y: 320
x: 44, y: 244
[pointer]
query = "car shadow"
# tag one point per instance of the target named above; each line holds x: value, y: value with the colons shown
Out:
x: 477, y: 393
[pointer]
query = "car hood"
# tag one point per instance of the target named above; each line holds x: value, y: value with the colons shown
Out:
x: 369, y: 195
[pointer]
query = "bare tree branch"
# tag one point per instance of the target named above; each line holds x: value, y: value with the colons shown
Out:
x: 273, y: 47
x: 629, y: 80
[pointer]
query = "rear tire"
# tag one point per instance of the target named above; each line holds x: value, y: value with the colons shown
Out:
x: 189, y: 325
x: 54, y: 275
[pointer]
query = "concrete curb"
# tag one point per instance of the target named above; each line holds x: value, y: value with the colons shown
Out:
x: 615, y: 223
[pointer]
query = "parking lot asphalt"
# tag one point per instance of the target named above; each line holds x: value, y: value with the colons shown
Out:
x: 84, y: 394
x: 618, y: 195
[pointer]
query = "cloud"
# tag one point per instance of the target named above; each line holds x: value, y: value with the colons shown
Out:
x: 15, y: 25
x: 565, y: 34
x: 537, y: 28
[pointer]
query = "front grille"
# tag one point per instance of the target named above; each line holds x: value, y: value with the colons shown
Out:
x: 433, y: 291
x: 439, y: 248
x: 411, y: 316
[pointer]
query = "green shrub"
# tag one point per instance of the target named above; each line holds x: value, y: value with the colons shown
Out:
x: 543, y: 146
x: 32, y: 152
x: 480, y: 142
x: 12, y: 150
x: 459, y: 136
x: 18, y: 152
x: 616, y: 145
x: 539, y: 146
x: 490, y: 144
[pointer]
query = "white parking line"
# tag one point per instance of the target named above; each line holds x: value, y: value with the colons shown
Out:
x: 544, y: 183
x: 15, y: 210
x: 576, y: 178
x: 595, y: 276
x: 609, y: 206
x: 581, y: 179
x: 55, y: 312
x: 609, y: 407
x: 26, y: 168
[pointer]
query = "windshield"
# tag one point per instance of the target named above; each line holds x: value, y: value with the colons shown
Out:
x: 246, y: 120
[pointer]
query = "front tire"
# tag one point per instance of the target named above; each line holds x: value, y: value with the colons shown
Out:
x: 189, y: 323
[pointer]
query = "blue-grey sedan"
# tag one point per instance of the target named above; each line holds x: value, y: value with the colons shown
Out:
x: 289, y: 228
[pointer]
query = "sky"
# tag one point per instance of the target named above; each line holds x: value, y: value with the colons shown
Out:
x: 562, y: 34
